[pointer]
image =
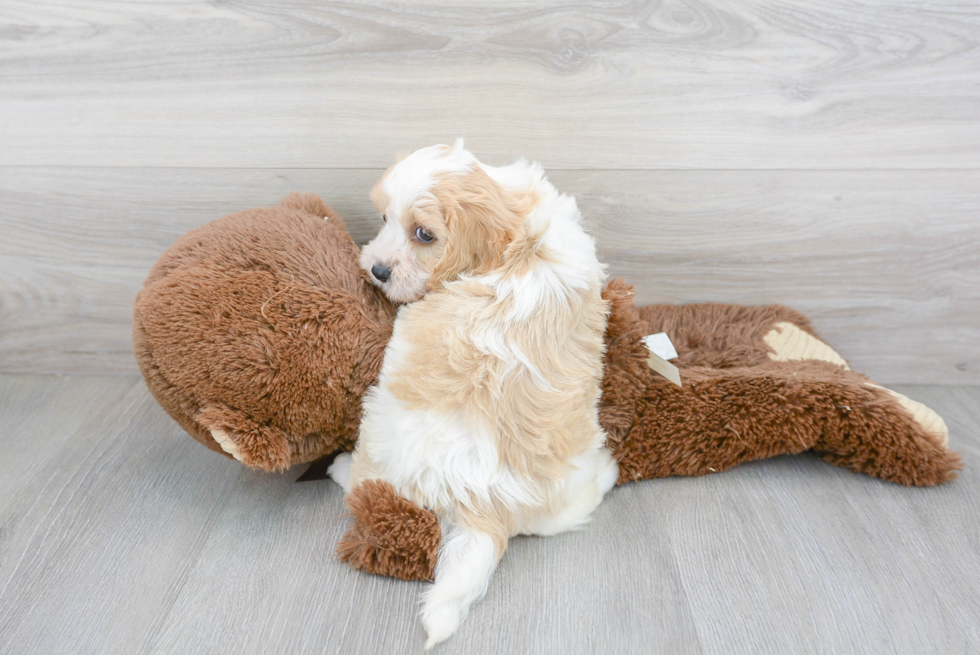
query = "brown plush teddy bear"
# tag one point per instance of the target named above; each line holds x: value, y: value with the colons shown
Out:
x: 259, y: 333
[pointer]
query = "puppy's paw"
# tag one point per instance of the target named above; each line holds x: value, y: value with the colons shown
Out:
x: 340, y: 471
x: 441, y: 620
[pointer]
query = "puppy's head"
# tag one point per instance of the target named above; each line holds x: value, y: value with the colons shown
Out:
x: 444, y: 217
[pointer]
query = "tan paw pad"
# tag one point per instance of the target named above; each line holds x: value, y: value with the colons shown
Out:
x: 930, y: 421
x: 789, y: 344
x: 227, y: 444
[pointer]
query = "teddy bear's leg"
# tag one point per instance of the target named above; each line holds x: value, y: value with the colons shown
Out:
x: 888, y: 436
x: 718, y: 419
x: 790, y: 343
x: 931, y: 422
x: 721, y: 418
x: 880, y: 432
x: 260, y: 446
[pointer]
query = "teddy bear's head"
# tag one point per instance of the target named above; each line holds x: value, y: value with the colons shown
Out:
x: 259, y: 333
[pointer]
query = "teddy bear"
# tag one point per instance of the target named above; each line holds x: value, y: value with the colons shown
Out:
x: 259, y: 333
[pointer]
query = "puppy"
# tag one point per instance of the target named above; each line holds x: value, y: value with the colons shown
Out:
x: 486, y: 407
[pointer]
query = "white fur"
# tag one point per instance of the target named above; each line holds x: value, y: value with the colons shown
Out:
x: 466, y: 561
x: 414, y: 175
x: 576, y: 268
x: 593, y: 475
x: 340, y: 471
x: 431, y: 458
x: 440, y: 459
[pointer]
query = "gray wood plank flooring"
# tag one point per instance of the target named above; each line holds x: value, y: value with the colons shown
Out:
x: 119, y: 534
x: 887, y: 263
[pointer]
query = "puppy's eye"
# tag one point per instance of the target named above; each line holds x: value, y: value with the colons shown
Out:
x: 384, y: 218
x: 423, y: 235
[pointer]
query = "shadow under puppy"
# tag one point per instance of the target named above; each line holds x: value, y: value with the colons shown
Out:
x: 486, y: 407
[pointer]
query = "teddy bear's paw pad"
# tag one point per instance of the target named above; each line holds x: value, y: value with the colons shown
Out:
x: 930, y: 421
x: 789, y: 344
x: 227, y: 443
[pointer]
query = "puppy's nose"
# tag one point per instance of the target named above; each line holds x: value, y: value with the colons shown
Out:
x: 381, y: 272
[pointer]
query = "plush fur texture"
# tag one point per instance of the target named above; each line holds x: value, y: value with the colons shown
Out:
x: 393, y: 536
x: 221, y: 310
x: 486, y: 407
x: 746, y: 405
x: 261, y: 328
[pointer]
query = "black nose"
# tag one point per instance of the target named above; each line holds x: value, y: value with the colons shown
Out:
x: 381, y: 272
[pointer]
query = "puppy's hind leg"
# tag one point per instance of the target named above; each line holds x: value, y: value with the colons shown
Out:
x: 466, y: 561
x: 595, y: 474
x: 340, y: 471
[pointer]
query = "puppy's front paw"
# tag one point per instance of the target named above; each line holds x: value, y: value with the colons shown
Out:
x: 440, y: 621
x: 340, y: 471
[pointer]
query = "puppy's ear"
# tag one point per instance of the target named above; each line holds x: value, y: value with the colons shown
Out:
x: 481, y: 219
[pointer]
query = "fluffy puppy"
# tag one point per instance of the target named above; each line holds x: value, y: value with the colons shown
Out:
x: 486, y: 407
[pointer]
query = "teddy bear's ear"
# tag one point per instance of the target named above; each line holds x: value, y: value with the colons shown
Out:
x: 623, y: 315
x: 311, y: 204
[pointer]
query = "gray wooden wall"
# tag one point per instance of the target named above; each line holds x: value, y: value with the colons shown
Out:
x: 822, y: 155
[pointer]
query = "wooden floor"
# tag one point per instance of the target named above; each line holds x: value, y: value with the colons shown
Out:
x: 119, y: 534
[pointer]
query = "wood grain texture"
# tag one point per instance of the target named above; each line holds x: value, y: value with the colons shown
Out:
x: 603, y: 84
x: 99, y: 537
x: 126, y: 536
x: 887, y: 263
x: 33, y: 443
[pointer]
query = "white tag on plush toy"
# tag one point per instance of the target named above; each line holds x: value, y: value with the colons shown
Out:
x: 664, y: 368
x: 661, y: 349
x: 661, y: 344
